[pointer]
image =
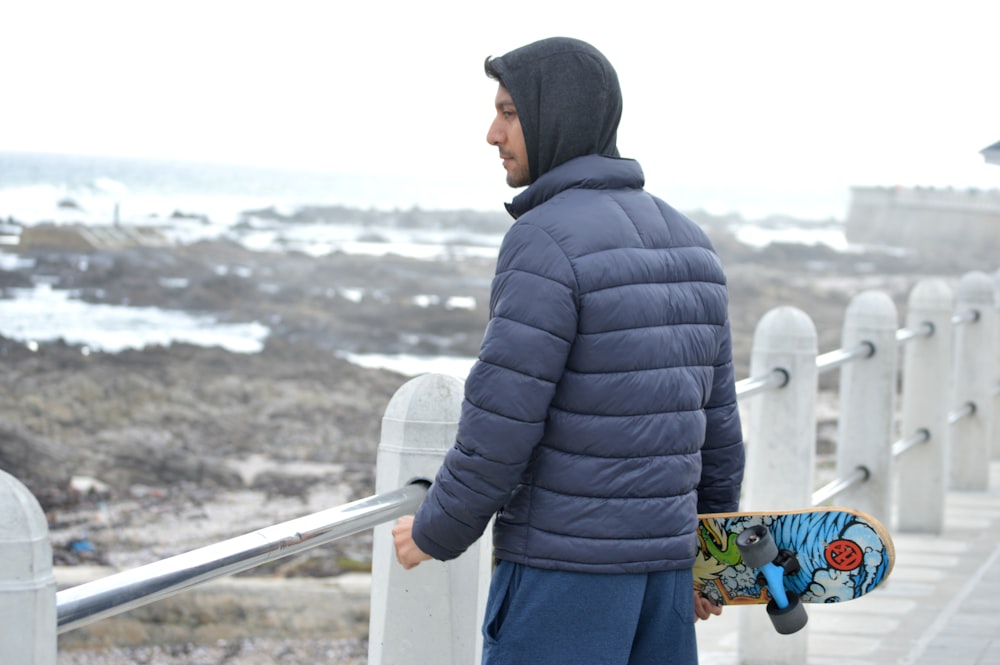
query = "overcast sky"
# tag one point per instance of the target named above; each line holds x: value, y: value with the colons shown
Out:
x: 771, y: 95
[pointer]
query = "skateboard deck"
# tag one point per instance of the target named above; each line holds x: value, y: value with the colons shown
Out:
x: 842, y: 554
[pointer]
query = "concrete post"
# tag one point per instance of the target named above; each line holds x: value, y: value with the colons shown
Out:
x: 868, y: 403
x: 922, y: 471
x: 994, y: 408
x: 975, y: 380
x: 27, y: 586
x: 433, y: 613
x: 781, y: 453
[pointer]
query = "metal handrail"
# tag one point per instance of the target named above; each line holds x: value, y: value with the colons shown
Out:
x: 922, y: 435
x: 964, y: 411
x: 776, y: 378
x: 84, y: 604
x: 838, y: 357
x: 860, y: 475
x: 925, y: 329
x: 779, y: 378
x: 968, y: 316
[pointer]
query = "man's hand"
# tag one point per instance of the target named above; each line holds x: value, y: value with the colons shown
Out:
x: 704, y: 608
x: 407, y: 552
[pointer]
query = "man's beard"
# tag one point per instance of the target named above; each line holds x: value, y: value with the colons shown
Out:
x: 518, y: 178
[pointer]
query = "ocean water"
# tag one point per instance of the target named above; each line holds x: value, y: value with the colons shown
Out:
x: 187, y: 202
x: 45, y: 314
x: 32, y: 184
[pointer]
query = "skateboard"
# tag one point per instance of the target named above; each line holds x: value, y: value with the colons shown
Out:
x: 785, y: 559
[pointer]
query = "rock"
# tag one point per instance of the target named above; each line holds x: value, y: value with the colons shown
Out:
x: 44, y: 466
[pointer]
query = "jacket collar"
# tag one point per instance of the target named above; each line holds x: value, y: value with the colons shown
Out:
x: 587, y: 172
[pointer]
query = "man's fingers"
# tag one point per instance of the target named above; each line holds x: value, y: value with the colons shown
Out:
x: 705, y: 608
x: 408, y: 553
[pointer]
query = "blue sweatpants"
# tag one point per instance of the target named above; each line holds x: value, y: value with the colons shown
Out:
x: 549, y: 617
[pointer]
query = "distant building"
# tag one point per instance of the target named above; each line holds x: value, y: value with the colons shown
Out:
x: 992, y: 153
x: 926, y: 219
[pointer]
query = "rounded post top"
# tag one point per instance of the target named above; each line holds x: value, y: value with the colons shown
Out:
x: 24, y: 533
x: 931, y: 293
x: 786, y: 329
x: 427, y: 398
x: 976, y: 287
x: 873, y: 309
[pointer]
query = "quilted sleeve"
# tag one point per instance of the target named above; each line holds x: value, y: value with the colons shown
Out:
x: 723, y: 454
x: 533, y: 321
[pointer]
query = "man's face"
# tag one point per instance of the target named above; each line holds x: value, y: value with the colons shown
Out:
x: 505, y: 133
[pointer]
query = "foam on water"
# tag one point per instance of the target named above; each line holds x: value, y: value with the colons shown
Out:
x: 761, y: 236
x: 410, y: 365
x: 43, y: 314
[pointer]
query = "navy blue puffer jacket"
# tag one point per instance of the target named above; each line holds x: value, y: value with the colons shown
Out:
x: 601, y: 416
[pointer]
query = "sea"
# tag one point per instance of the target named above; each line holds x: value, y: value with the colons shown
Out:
x: 191, y: 201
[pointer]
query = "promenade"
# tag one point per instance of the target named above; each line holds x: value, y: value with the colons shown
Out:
x: 940, y: 606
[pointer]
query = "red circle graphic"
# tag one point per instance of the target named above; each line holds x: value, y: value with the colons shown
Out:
x: 844, y: 555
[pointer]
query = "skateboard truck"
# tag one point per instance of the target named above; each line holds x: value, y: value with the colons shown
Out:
x: 756, y: 546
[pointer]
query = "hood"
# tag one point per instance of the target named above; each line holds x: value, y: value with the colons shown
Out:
x: 568, y: 100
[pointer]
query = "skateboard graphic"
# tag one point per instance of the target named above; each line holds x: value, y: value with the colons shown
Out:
x: 785, y: 559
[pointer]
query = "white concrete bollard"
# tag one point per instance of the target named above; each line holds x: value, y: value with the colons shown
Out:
x: 781, y: 452
x: 922, y: 471
x: 868, y: 404
x: 971, y: 440
x: 27, y: 586
x: 995, y: 405
x: 433, y: 613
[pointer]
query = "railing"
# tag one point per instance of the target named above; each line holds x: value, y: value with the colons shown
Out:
x: 778, y: 378
x: 945, y: 413
x: 114, y: 594
x: 945, y: 416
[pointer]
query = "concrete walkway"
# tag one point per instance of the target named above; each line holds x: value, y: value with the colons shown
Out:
x: 940, y: 606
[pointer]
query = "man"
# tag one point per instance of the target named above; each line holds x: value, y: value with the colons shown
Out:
x: 601, y: 416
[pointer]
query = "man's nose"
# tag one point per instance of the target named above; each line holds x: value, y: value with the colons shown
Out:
x: 494, y: 136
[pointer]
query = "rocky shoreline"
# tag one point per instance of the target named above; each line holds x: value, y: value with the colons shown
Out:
x: 140, y: 455
x: 249, y: 621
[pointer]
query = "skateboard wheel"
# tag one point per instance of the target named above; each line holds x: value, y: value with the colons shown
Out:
x: 756, y: 546
x: 791, y: 619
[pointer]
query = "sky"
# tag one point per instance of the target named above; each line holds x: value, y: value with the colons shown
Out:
x: 783, y: 101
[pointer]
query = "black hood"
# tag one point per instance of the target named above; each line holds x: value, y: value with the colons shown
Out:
x: 567, y: 98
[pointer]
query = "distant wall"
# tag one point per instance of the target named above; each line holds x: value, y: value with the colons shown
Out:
x: 81, y: 238
x: 925, y: 218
